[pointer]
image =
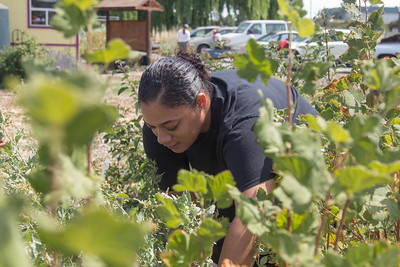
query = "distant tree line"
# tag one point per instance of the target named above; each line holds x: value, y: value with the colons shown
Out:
x: 205, y: 12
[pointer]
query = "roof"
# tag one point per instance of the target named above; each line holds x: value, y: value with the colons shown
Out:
x: 125, y: 5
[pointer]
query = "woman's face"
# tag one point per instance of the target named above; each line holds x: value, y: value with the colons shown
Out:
x: 176, y: 128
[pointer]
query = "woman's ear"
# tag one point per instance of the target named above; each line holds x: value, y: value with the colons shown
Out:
x: 202, y: 100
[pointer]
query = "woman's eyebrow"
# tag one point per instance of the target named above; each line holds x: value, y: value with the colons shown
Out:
x: 162, y: 124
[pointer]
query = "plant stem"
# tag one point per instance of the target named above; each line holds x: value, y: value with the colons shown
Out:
x: 328, y: 235
x: 398, y: 220
x: 322, y: 224
x: 289, y: 77
x: 339, y: 230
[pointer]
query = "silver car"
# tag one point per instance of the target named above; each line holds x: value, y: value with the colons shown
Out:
x: 200, y: 43
x: 266, y: 39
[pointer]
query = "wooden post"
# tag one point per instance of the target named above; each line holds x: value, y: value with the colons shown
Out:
x: 148, y: 33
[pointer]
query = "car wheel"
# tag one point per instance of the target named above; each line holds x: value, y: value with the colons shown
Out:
x: 200, y: 48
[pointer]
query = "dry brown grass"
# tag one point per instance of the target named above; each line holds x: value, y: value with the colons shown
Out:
x: 19, y: 121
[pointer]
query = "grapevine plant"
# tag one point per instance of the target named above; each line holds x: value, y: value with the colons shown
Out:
x: 338, y: 188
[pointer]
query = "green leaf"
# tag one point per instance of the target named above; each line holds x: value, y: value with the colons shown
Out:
x: 360, y: 255
x: 358, y: 178
x: 116, y: 49
x: 12, y: 248
x: 253, y: 213
x: 305, y: 27
x: 178, y: 253
x: 89, y: 121
x: 254, y: 63
x: 192, y: 181
x: 219, y: 189
x: 293, y: 195
x: 337, y: 134
x: 284, y: 243
x: 72, y: 15
x: 269, y: 136
x: 98, y: 233
x: 211, y: 231
x: 50, y: 101
x: 333, y: 259
x: 169, y: 212
x: 40, y: 181
x: 305, y: 171
x: 385, y: 169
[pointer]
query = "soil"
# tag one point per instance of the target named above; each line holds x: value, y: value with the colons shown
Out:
x: 18, y: 120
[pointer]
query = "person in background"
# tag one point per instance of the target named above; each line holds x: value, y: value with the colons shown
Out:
x: 217, y: 38
x: 183, y: 38
x: 193, y: 119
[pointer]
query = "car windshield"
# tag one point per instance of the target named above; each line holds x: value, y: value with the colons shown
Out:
x: 242, y: 27
x: 265, y: 38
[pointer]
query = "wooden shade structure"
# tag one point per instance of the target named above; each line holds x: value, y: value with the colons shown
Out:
x: 134, y: 33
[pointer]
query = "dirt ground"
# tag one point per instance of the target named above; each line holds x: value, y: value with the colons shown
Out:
x: 10, y: 108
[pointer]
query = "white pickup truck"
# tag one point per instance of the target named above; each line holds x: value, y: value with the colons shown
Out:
x: 387, y: 50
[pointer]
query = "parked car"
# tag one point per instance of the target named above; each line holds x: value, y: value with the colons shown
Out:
x: 383, y: 50
x: 200, y: 43
x: 336, y: 45
x: 201, y: 31
x: 266, y: 39
x: 252, y: 29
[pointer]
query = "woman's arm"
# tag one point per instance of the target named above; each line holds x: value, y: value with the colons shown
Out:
x: 238, y: 246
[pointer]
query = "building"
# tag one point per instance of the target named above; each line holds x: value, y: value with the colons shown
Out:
x: 390, y: 14
x: 33, y: 17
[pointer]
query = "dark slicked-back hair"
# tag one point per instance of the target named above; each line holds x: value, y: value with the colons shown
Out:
x: 175, y: 81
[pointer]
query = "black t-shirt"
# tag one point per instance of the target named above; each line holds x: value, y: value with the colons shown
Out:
x: 230, y: 144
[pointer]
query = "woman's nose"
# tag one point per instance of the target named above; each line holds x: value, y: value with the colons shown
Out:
x: 163, y: 137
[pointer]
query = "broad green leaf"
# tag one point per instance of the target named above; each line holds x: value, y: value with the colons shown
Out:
x: 116, y: 49
x: 351, y: 8
x: 89, y: 121
x: 385, y: 169
x: 361, y: 126
x: 358, y: 178
x: 98, y: 233
x: 268, y: 135
x: 305, y: 27
x: 211, y: 231
x: 252, y: 213
x: 177, y: 252
x: 366, y: 151
x: 82, y: 4
x: 40, y: 181
x: 333, y: 259
x: 311, y: 71
x: 50, y: 101
x: 12, y: 248
x: 392, y: 99
x: 375, y: 18
x: 183, y: 248
x: 305, y: 171
x: 169, y: 212
x: 284, y: 243
x: 254, y: 63
x: 220, y: 190
x: 375, y: 2
x: 387, y: 255
x: 378, y: 76
x: 284, y: 7
x: 293, y: 195
x: 337, y: 133
x: 362, y: 255
x: 192, y: 181
x: 72, y: 15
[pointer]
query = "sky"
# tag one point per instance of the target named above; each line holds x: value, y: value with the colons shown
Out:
x: 316, y: 5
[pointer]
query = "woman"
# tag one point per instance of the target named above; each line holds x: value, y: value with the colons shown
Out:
x: 192, y: 118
